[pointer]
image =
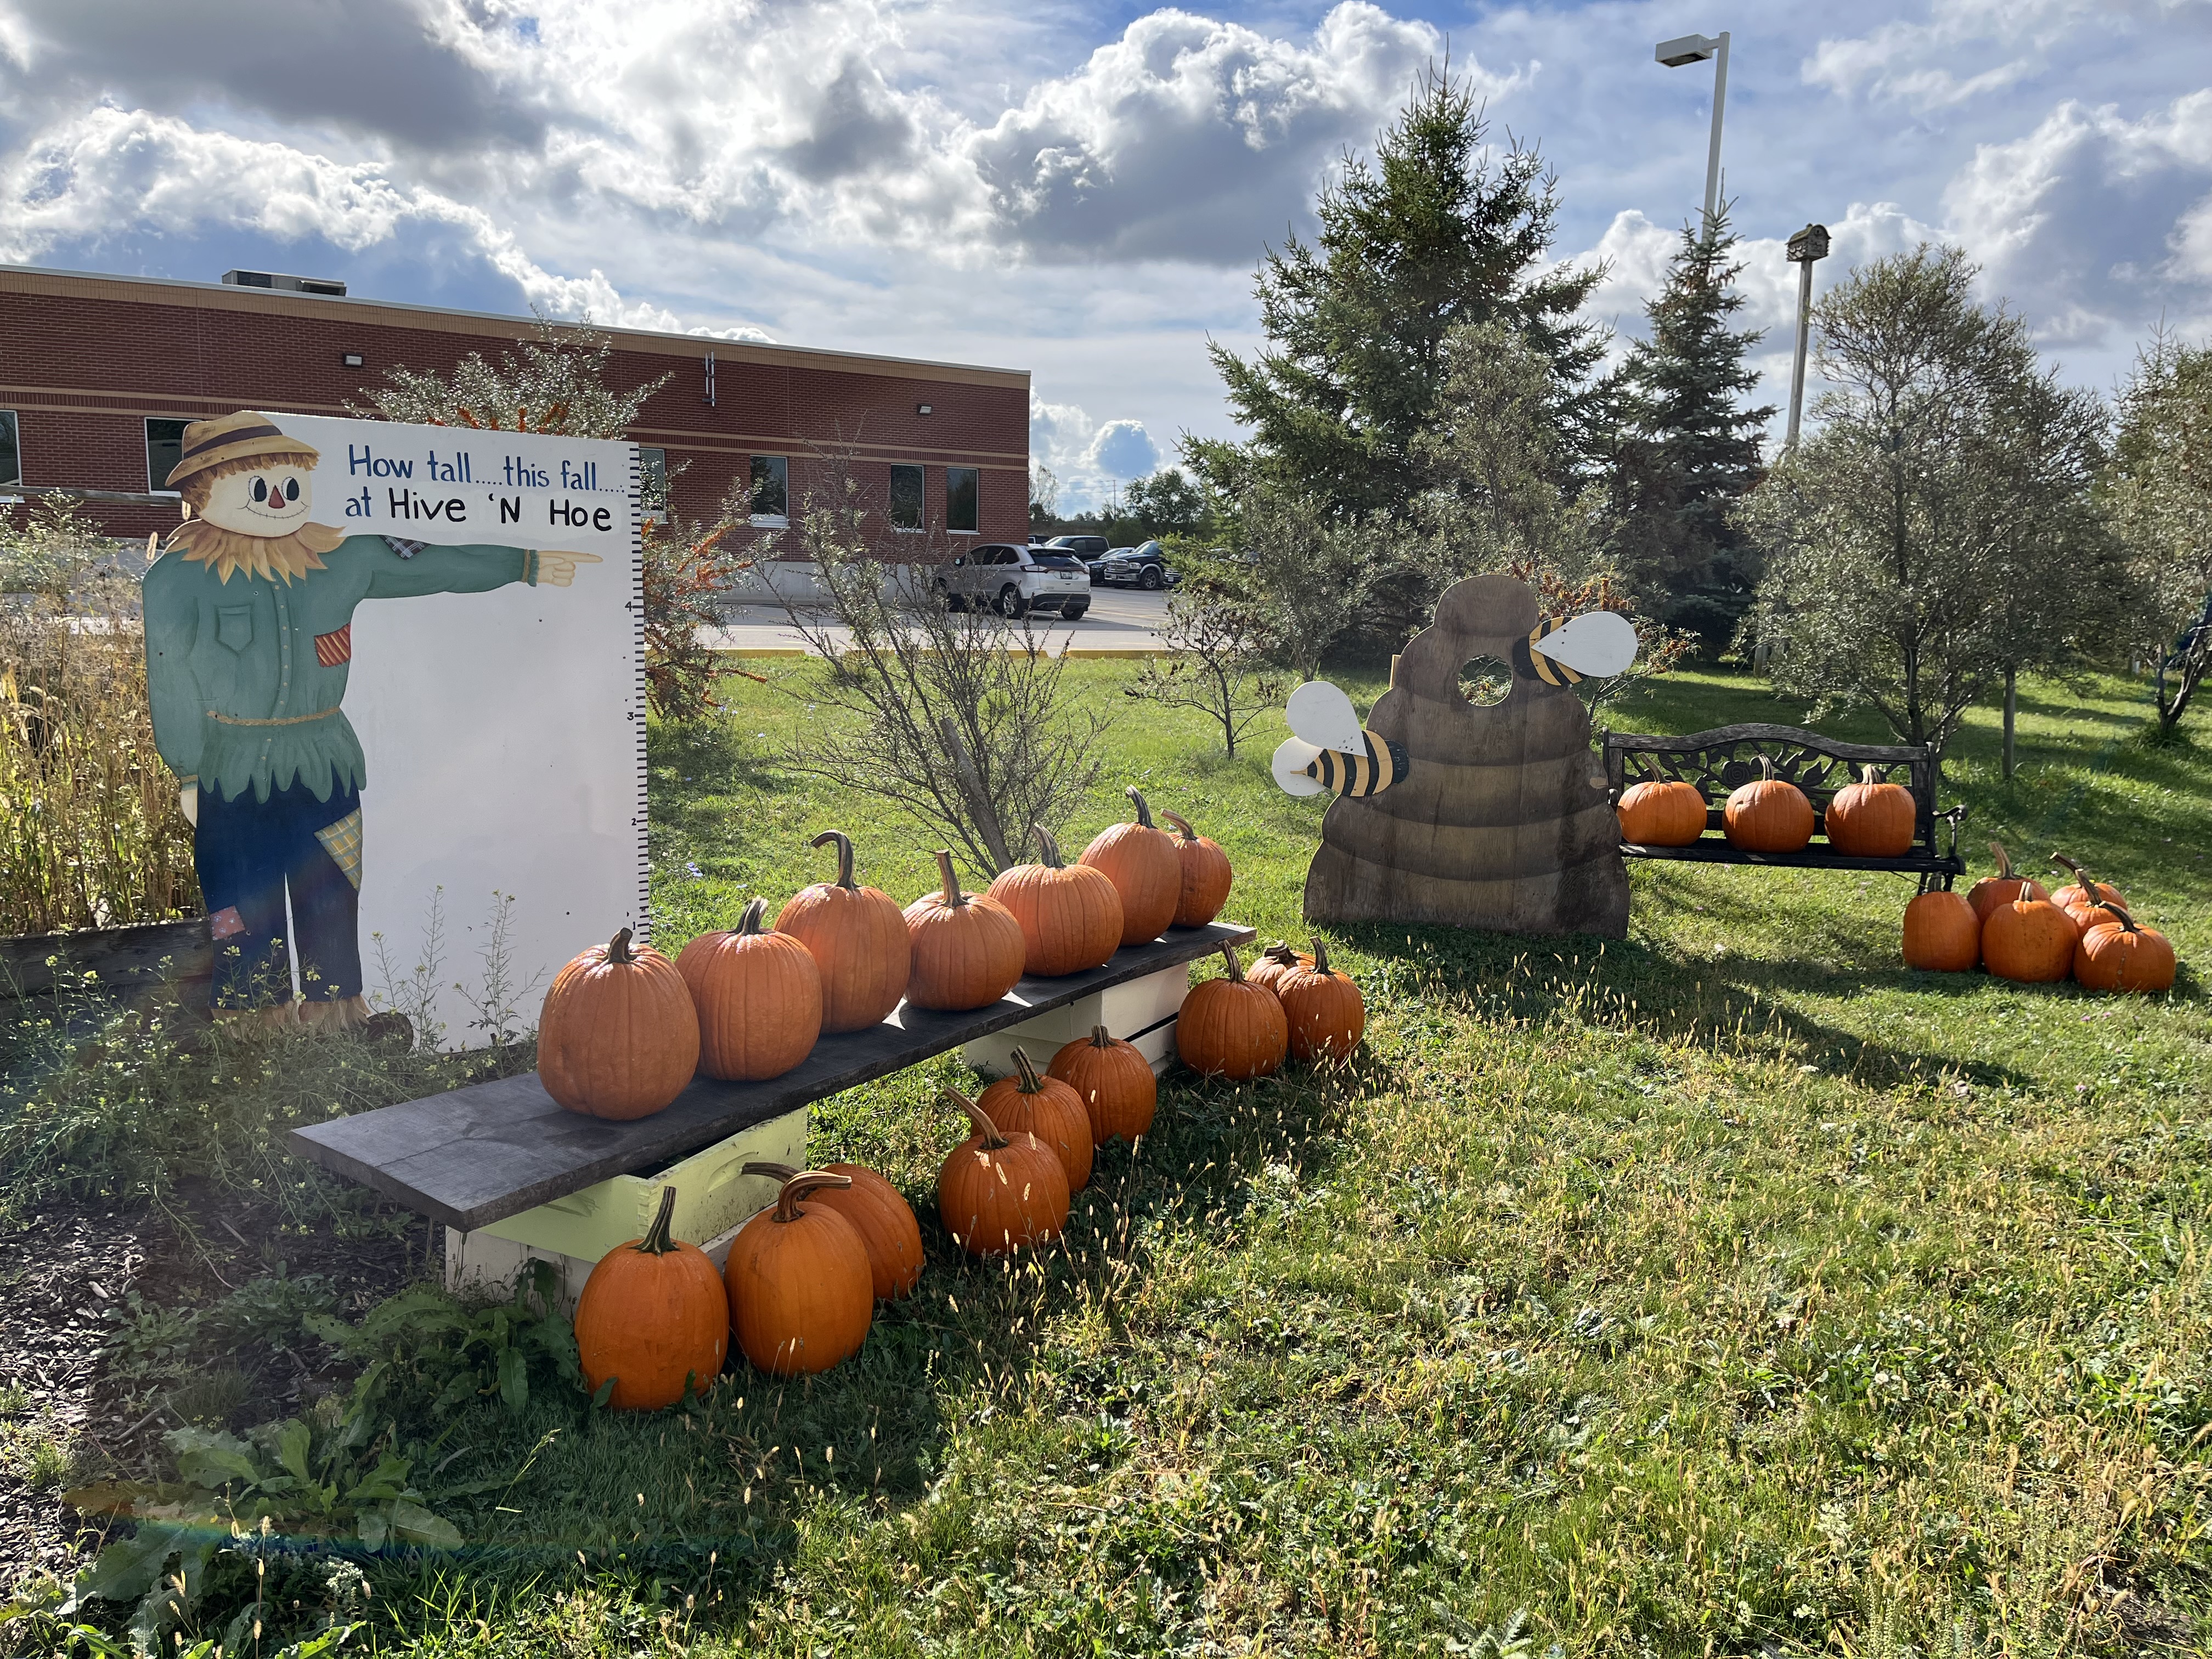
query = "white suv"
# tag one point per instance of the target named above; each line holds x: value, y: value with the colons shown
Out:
x: 1016, y: 580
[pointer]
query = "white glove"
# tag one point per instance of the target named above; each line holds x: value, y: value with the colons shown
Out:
x: 188, y: 803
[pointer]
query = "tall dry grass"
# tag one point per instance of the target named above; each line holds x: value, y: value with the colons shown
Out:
x: 90, y: 834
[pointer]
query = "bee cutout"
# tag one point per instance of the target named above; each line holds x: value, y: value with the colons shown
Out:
x: 1331, y: 750
x: 1560, y: 652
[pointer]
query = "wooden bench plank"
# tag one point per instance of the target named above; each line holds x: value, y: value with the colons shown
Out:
x: 474, y: 1156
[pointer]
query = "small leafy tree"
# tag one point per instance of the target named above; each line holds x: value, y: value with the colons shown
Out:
x: 1309, y: 571
x: 559, y: 380
x: 686, y: 573
x: 1936, y: 532
x: 2159, y: 488
x: 1217, y: 644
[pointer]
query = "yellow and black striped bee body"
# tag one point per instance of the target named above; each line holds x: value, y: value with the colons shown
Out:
x: 1531, y: 664
x: 1379, y: 765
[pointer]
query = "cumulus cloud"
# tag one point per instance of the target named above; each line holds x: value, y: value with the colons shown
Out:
x: 1123, y: 449
x: 1944, y: 59
x: 1090, y: 459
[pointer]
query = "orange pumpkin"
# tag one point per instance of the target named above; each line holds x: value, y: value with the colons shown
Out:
x: 1114, y: 1082
x: 801, y: 1294
x: 1046, y: 1108
x: 1941, y: 933
x: 618, y: 1037
x: 999, y: 1192
x: 1990, y: 891
x: 2030, y: 940
x: 1270, y: 964
x: 759, y: 997
x: 1326, y: 1014
x: 1070, y: 915
x: 1871, y: 819
x: 1769, y: 814
x: 2116, y: 954
x: 1232, y: 1028
x: 884, y: 1221
x: 1206, y: 875
x: 968, y: 949
x: 653, y: 1317
x: 1142, y: 863
x: 857, y: 937
x: 1662, y: 813
x: 2080, y: 900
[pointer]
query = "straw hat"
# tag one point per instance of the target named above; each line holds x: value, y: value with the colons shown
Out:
x: 235, y: 438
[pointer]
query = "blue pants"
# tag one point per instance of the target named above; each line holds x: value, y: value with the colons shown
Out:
x: 249, y: 852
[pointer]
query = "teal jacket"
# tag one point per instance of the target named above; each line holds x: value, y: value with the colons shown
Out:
x: 245, y: 675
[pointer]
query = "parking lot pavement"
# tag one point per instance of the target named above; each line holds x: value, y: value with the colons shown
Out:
x: 1119, y: 620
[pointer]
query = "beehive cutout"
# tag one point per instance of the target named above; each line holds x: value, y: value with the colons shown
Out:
x: 1503, y: 821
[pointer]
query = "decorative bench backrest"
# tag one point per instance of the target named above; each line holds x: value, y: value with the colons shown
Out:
x: 1718, y: 761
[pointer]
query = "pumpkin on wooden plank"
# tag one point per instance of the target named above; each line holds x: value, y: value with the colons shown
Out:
x: 1942, y: 934
x: 1071, y: 914
x: 618, y: 1037
x: 1206, y: 875
x: 883, y: 1219
x: 968, y: 948
x: 1770, y: 814
x: 1049, y: 1110
x: 759, y: 996
x: 2080, y: 900
x: 1114, y: 1082
x: 801, y: 1294
x: 1325, y: 1012
x: 1872, y: 819
x: 653, y: 1318
x: 997, y: 1191
x: 1662, y: 813
x: 2117, y: 954
x: 857, y: 937
x: 2003, y: 887
x: 1141, y: 861
x: 1231, y: 1027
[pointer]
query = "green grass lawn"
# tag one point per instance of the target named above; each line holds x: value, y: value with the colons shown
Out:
x: 1725, y: 1290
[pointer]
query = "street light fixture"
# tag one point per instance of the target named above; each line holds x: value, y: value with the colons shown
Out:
x: 1807, y: 246
x: 1695, y: 49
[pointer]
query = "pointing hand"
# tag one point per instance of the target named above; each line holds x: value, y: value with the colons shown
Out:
x: 557, y: 569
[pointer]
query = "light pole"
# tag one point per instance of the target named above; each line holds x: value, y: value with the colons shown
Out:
x: 1807, y: 246
x: 1695, y: 49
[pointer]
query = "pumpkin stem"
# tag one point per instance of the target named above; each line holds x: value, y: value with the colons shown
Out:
x: 2003, y: 859
x: 1229, y: 956
x: 656, y: 1241
x: 950, y: 883
x: 1321, y: 954
x: 1872, y: 774
x: 2081, y: 876
x: 801, y: 1184
x: 1026, y: 1068
x: 1183, y: 824
x: 1047, y: 847
x: 992, y: 1138
x: 749, y: 926
x: 1281, y: 952
x: 1144, y: 812
x: 778, y: 1173
x: 843, y: 842
x: 1766, y: 769
x: 619, y: 950
x: 2127, y: 921
x: 1101, y: 1037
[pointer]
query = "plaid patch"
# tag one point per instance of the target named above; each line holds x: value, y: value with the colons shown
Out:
x: 331, y: 649
x: 341, y: 840
x: 403, y: 547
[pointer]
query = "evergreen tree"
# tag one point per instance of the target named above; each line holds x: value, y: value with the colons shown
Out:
x: 1689, y: 448
x: 1433, y: 233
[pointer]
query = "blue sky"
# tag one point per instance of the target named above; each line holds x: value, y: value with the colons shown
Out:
x: 1079, y: 190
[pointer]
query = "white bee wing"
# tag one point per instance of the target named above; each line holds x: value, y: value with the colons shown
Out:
x: 1321, y: 714
x: 1291, y: 759
x: 1601, y: 642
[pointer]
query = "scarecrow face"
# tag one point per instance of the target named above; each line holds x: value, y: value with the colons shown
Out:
x: 269, y: 501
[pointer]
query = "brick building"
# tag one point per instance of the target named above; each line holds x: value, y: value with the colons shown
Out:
x: 98, y: 375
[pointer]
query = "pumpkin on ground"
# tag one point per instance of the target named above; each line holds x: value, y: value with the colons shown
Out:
x: 1769, y: 814
x: 1232, y: 1028
x: 1048, y: 1109
x: 857, y: 937
x: 2003, y: 887
x: 1871, y: 819
x: 884, y: 1221
x: 801, y: 1294
x: 1662, y: 813
x: 1326, y: 1014
x: 2030, y: 940
x: 1114, y: 1082
x: 1206, y: 874
x: 2116, y: 954
x: 653, y: 1316
x: 1941, y: 933
x: 1142, y: 863
x: 1270, y: 964
x: 997, y: 1191
x: 618, y: 1037
x: 759, y: 996
x: 1071, y: 914
x: 968, y: 948
x: 2080, y: 900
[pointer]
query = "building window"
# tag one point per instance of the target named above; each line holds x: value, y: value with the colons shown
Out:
x: 906, y: 498
x: 11, y: 449
x: 961, y: 499
x: 653, y: 478
x: 771, y: 489
x: 165, y: 447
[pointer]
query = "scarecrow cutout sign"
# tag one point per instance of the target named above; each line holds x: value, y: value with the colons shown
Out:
x: 394, y: 667
x: 1454, y: 812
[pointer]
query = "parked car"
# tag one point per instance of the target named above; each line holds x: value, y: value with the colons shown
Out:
x: 1144, y: 566
x: 1016, y: 580
x: 1085, y: 548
